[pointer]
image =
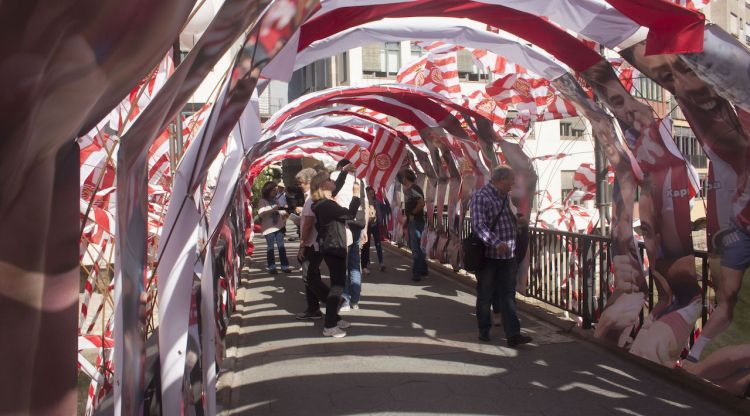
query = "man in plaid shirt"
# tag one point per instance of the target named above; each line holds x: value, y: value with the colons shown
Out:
x: 491, y: 204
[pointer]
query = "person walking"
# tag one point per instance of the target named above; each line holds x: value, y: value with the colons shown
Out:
x: 376, y: 218
x: 309, y: 254
x: 415, y: 217
x: 272, y: 221
x: 330, y: 221
x: 493, y: 220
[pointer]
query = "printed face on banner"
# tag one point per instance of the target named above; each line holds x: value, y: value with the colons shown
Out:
x: 665, y: 221
x: 715, y: 123
x: 712, y: 118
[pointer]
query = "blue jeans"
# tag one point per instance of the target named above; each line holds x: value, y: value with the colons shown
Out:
x: 373, y: 236
x: 276, y: 237
x: 419, y: 266
x: 497, y: 279
x: 353, y: 287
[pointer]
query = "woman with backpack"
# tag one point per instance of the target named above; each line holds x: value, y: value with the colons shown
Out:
x: 331, y: 222
x: 272, y: 221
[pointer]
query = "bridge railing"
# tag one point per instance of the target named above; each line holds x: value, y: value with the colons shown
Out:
x: 574, y: 272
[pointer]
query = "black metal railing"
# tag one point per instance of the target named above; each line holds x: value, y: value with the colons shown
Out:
x: 573, y: 272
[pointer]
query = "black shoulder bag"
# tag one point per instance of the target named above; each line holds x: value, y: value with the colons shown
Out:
x: 332, y: 237
x: 474, y: 247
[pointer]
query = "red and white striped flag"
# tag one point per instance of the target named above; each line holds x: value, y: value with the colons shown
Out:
x: 412, y: 133
x: 436, y: 72
x: 531, y: 96
x: 131, y: 107
x: 483, y: 104
x: 380, y: 117
x: 387, y: 153
x: 360, y: 157
x: 495, y: 63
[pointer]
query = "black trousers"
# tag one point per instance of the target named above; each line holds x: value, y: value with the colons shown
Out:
x: 496, y: 282
x: 315, y: 290
x: 337, y: 269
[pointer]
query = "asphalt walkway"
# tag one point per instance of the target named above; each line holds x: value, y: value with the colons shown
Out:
x: 413, y: 349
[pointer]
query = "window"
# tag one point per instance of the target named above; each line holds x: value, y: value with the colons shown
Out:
x: 646, y: 88
x: 734, y: 25
x: 566, y: 183
x: 571, y: 130
x: 416, y: 50
x: 390, y: 58
x: 381, y: 59
x: 689, y: 146
x: 468, y: 69
x: 342, y: 67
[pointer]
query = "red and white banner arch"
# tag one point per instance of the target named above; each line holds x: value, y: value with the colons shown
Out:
x: 39, y: 133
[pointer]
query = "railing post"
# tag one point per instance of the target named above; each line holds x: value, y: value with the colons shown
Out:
x: 589, y: 274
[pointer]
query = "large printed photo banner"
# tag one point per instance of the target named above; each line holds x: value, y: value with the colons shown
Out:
x: 723, y: 135
x: 665, y: 209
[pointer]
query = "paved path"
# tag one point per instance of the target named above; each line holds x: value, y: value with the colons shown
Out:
x: 413, y: 349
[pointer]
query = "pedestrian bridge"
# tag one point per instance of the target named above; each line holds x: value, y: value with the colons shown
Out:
x: 413, y: 349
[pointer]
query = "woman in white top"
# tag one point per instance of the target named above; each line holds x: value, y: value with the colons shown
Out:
x: 272, y: 221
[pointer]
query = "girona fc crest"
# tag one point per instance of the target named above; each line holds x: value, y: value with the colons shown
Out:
x: 419, y: 79
x: 383, y: 161
x: 436, y: 76
x: 523, y: 87
x: 486, y: 105
x: 364, y: 156
x: 550, y: 97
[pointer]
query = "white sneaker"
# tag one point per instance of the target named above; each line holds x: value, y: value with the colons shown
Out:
x: 342, y: 324
x: 355, y: 306
x: 345, y: 308
x: 335, y: 332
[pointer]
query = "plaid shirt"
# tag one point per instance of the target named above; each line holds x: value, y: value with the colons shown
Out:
x: 486, y: 204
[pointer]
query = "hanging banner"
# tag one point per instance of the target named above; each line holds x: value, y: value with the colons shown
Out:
x: 59, y: 81
x: 276, y: 24
x: 723, y: 137
x: 669, y: 243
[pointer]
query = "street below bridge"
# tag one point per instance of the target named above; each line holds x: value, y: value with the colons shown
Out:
x: 413, y: 349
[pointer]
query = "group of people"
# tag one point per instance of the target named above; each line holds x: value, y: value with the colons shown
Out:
x: 340, y: 218
x: 338, y: 222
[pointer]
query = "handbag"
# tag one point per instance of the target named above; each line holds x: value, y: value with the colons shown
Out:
x: 332, y: 237
x: 474, y: 248
x: 333, y: 242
